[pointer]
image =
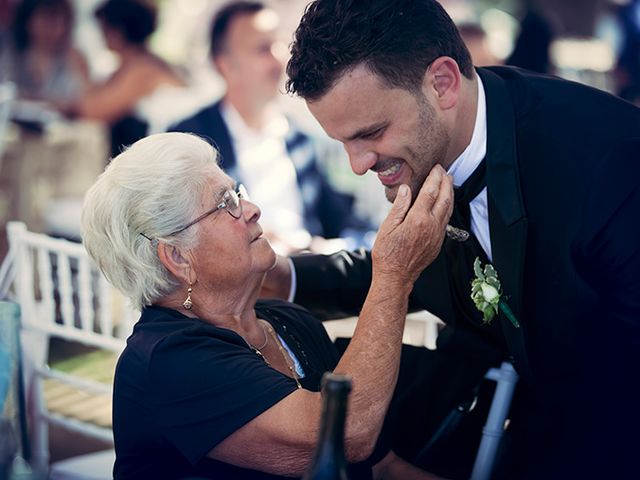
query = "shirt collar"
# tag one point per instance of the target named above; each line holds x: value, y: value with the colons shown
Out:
x: 470, y: 158
x: 277, y: 125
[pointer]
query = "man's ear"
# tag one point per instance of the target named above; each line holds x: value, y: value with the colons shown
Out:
x: 218, y: 63
x: 223, y: 64
x: 443, y: 80
x: 177, y: 262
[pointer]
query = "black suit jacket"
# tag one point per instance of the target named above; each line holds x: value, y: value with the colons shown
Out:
x: 563, y: 185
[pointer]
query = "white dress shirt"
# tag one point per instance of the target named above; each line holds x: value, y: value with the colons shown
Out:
x: 267, y: 172
x: 462, y: 168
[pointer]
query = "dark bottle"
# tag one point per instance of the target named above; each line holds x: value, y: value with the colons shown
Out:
x: 329, y: 462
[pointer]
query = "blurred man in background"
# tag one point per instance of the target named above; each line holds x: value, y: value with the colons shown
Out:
x: 259, y: 145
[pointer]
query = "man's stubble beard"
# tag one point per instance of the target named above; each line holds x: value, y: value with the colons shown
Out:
x: 427, y: 153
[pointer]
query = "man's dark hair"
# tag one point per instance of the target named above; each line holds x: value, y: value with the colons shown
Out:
x: 135, y: 19
x: 222, y: 21
x: 395, y: 39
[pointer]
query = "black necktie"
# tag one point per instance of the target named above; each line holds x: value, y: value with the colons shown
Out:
x: 465, y: 193
x: 461, y: 255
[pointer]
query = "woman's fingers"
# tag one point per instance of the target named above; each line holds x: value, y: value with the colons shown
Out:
x: 430, y: 190
x: 443, y: 206
x: 411, y: 237
x: 435, y: 196
x: 398, y: 213
x: 400, y: 207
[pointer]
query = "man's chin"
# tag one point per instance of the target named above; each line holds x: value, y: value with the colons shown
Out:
x: 391, y: 192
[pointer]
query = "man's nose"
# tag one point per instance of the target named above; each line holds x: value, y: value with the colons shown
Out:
x: 361, y: 159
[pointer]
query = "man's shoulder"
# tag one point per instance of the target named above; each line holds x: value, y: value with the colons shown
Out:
x: 540, y: 90
x: 545, y: 108
x: 527, y: 90
x: 516, y: 75
x: 206, y: 121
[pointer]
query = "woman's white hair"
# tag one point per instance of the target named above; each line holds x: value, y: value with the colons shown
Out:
x: 148, y: 191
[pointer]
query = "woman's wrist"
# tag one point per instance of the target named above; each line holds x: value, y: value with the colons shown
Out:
x: 392, y: 283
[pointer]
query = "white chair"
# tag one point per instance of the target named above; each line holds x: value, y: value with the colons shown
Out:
x: 92, y: 466
x: 62, y: 294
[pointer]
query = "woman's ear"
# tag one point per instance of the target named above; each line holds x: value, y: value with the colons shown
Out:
x: 176, y: 261
x: 443, y: 80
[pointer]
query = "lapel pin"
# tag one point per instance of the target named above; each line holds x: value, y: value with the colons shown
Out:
x: 457, y: 234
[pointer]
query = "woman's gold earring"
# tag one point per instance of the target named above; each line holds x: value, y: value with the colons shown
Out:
x: 188, y: 303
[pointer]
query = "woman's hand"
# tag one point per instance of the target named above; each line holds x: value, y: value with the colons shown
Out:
x: 411, y: 236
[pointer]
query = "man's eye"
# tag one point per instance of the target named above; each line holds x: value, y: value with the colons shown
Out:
x: 372, y: 134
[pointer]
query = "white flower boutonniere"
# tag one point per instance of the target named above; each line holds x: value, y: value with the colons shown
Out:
x: 486, y: 292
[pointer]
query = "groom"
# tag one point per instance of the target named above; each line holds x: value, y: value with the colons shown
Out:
x: 548, y: 177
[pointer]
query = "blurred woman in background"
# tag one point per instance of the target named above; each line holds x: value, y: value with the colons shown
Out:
x: 127, y: 98
x: 43, y: 63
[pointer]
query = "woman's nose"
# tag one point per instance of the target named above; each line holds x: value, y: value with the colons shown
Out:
x: 250, y: 210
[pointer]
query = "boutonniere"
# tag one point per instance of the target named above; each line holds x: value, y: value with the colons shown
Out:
x: 486, y: 293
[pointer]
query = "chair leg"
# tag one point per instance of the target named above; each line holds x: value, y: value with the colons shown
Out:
x: 506, y: 377
x: 40, y: 459
x: 35, y: 352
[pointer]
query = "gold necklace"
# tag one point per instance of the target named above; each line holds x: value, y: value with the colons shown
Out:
x: 256, y: 349
x: 287, y: 359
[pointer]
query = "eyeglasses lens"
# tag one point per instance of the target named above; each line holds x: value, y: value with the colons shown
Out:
x: 233, y: 204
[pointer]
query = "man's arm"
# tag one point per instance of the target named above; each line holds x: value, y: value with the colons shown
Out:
x: 333, y: 286
x: 330, y: 286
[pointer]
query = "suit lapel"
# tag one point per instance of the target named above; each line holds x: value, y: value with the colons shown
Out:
x: 507, y: 220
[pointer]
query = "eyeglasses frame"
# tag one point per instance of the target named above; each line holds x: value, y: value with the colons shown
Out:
x: 238, y: 192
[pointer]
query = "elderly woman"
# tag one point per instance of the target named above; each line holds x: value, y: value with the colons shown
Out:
x: 214, y: 383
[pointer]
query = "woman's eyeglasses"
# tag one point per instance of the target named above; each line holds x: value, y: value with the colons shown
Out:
x: 230, y: 202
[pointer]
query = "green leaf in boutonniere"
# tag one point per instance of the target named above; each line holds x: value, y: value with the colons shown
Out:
x: 486, y: 293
